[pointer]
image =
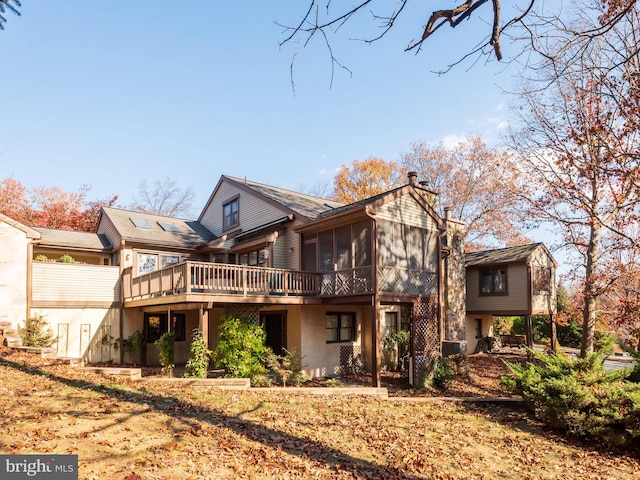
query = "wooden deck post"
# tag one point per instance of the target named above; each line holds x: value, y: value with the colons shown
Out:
x: 554, y: 333
x: 528, y: 330
x: 203, y: 323
x: 376, y: 364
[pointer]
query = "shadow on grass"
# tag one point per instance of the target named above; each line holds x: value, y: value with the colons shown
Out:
x: 192, y: 414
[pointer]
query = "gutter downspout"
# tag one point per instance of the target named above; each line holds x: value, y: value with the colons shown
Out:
x: 29, y: 292
x: 121, y: 320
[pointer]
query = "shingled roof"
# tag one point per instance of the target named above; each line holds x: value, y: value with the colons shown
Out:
x: 501, y: 255
x: 157, y: 229
x: 51, y: 237
x: 308, y: 206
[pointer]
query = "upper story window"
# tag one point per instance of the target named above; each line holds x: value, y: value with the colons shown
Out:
x: 230, y: 214
x: 493, y: 281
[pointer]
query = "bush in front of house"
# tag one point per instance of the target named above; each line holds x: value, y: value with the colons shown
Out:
x: 165, y: 351
x: 241, y: 348
x: 36, y: 332
x: 199, y: 357
x: 288, y: 366
x: 579, y: 397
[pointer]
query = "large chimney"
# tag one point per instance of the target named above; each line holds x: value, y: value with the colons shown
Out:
x: 413, y: 178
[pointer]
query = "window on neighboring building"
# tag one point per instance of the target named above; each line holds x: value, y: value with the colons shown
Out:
x: 230, y: 214
x: 156, y: 326
x: 493, y: 280
x: 340, y: 327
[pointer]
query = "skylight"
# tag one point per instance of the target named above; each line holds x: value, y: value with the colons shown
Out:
x: 141, y: 222
x: 169, y: 227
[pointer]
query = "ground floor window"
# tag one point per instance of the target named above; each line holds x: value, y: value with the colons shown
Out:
x: 156, y: 325
x: 340, y: 326
x: 390, y: 323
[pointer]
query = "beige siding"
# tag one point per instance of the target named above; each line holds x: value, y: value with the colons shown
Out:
x: 406, y: 210
x: 322, y: 358
x: 87, y: 333
x: 13, y: 274
x: 286, y: 251
x: 544, y: 302
x: 56, y: 283
x: 109, y: 229
x: 487, y: 330
x: 515, y: 301
x: 253, y: 211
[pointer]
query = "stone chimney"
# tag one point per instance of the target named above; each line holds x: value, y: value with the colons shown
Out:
x: 413, y: 178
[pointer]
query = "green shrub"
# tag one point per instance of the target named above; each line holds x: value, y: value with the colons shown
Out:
x: 66, y: 259
x: 580, y: 397
x: 41, y: 258
x: 241, y: 348
x: 165, y: 351
x: 438, y: 372
x: 289, y: 366
x: 36, y: 332
x: 132, y: 345
x: 199, y: 357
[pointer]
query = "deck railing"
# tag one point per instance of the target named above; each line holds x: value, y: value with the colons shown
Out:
x: 221, y: 279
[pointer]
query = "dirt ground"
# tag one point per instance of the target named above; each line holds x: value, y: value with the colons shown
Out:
x: 476, y: 375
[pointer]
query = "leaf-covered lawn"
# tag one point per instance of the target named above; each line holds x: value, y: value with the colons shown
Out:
x: 130, y: 430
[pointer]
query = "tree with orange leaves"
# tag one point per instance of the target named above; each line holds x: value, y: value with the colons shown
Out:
x: 51, y: 207
x: 477, y: 184
x: 366, y: 179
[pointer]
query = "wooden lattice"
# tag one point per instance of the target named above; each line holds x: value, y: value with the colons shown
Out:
x: 350, y: 359
x: 425, y: 339
x: 248, y: 311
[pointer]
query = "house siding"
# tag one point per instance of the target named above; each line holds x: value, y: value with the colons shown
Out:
x: 13, y: 274
x: 544, y: 302
x: 57, y: 283
x: 82, y: 332
x: 287, y: 249
x: 253, y: 211
x: 107, y: 228
x: 322, y: 358
x: 408, y: 211
x: 515, y: 302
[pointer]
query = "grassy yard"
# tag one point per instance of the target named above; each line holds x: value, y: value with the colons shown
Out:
x: 136, y: 430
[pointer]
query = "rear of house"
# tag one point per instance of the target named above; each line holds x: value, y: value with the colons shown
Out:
x: 329, y: 281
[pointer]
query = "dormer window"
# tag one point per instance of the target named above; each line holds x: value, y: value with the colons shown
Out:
x: 230, y: 214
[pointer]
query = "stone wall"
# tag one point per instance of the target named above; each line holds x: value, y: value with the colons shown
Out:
x: 455, y: 283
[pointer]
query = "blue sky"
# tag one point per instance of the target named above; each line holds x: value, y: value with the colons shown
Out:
x: 111, y: 93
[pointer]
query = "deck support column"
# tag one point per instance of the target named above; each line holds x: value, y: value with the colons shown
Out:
x: 554, y: 333
x: 376, y: 364
x: 528, y: 330
x: 203, y: 323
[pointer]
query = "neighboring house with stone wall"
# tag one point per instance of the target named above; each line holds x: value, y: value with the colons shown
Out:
x: 513, y: 281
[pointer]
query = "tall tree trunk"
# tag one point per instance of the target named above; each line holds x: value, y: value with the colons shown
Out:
x: 590, y: 292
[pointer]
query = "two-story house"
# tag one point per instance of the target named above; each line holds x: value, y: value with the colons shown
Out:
x: 327, y: 280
